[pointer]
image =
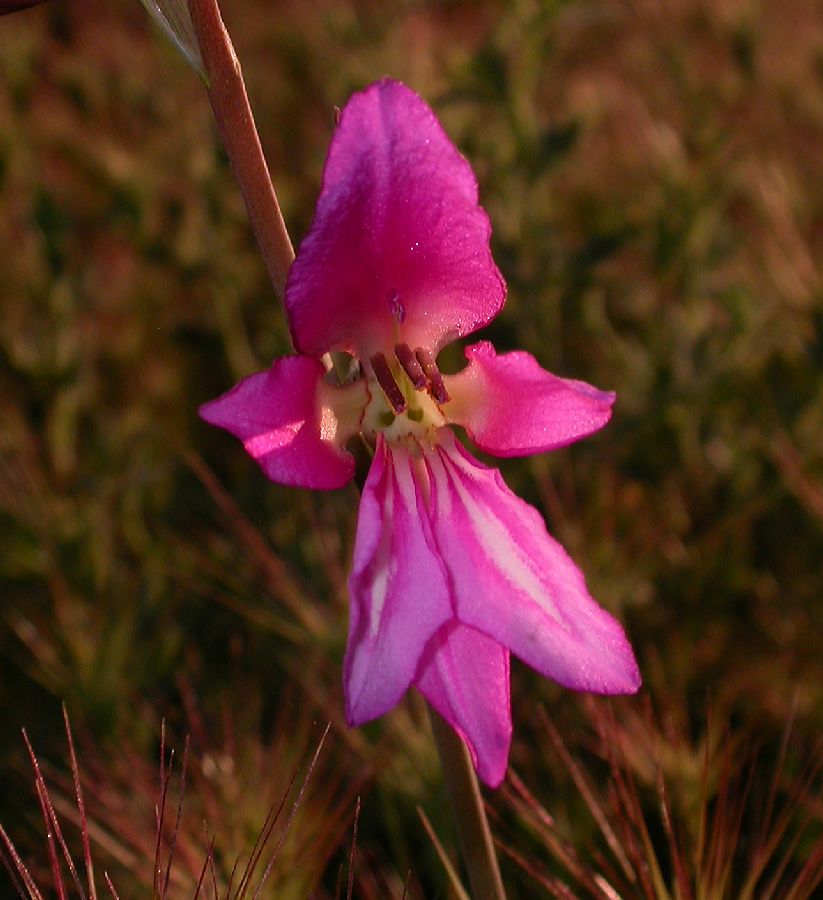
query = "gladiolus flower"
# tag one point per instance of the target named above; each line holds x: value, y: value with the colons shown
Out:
x: 452, y: 572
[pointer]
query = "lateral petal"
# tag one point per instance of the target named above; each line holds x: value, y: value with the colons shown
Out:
x: 398, y: 587
x: 511, y: 580
x: 511, y: 406
x: 464, y: 675
x: 399, y: 248
x: 292, y: 423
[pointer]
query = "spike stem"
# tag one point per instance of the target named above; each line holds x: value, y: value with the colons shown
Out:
x: 235, y: 121
x: 473, y: 830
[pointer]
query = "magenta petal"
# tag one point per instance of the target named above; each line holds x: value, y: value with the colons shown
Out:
x: 464, y: 675
x: 280, y: 417
x: 397, y: 239
x: 399, y: 594
x: 514, y: 582
x: 511, y: 406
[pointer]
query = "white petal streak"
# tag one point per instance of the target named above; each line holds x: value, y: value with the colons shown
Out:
x: 399, y: 593
x: 383, y: 559
x: 511, y: 580
x: 498, y: 542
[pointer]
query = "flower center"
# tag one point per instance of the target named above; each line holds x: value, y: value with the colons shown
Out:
x: 405, y: 395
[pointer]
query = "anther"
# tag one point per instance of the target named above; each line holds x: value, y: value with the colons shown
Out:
x: 436, y: 387
x: 411, y: 366
x: 385, y: 379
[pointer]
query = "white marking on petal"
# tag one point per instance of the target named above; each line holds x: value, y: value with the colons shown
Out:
x: 383, y: 559
x: 264, y: 443
x: 501, y: 548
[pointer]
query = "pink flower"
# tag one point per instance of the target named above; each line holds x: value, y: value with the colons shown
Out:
x: 451, y: 571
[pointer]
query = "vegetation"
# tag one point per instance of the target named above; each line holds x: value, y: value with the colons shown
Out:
x: 653, y: 173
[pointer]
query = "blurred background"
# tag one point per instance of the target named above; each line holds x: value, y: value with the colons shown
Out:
x: 654, y: 175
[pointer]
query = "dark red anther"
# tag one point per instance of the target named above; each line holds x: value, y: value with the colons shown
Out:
x: 436, y: 387
x: 411, y: 366
x: 385, y: 379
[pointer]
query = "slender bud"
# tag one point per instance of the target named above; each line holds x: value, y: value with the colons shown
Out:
x: 174, y: 18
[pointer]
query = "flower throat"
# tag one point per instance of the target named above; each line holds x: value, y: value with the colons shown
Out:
x: 411, y: 390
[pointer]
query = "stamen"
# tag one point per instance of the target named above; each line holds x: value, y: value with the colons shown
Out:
x: 411, y: 366
x: 385, y: 379
x: 436, y: 387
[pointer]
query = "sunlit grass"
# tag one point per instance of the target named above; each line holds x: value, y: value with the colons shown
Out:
x: 653, y: 175
x: 666, y: 815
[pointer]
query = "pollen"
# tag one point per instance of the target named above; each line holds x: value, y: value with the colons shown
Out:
x: 328, y: 424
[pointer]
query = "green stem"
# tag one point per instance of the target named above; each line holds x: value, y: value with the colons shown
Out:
x: 473, y: 829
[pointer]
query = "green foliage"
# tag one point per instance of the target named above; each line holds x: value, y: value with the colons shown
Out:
x: 653, y: 174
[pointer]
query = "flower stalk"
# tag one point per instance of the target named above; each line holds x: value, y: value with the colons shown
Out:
x: 473, y: 832
x: 235, y: 121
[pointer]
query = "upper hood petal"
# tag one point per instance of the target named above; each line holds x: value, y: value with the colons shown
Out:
x: 399, y: 248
